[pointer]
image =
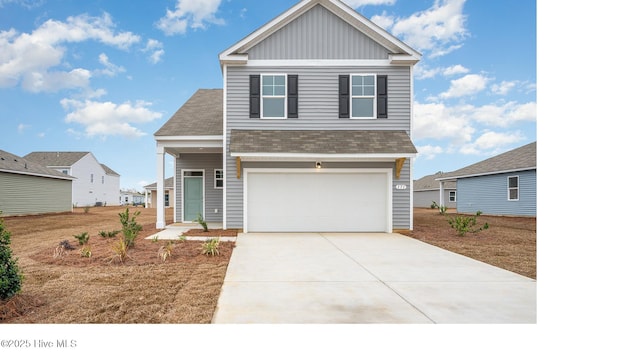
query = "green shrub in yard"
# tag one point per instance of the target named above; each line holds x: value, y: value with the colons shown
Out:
x: 130, y: 228
x: 109, y: 234
x: 465, y: 224
x: 202, y: 223
x: 10, y: 274
x: 83, y: 238
x: 210, y: 247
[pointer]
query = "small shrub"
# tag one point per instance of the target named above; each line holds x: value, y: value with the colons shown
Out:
x: 10, y: 274
x: 83, y: 238
x: 85, y: 251
x: 130, y: 228
x: 66, y: 245
x: 210, y: 247
x: 465, y: 224
x: 202, y: 223
x: 109, y: 234
x: 434, y: 205
x: 182, y: 238
x: 155, y: 239
x: 86, y: 209
x: 120, y: 249
x: 166, y: 250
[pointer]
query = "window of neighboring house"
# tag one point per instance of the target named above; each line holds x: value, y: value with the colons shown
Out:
x: 92, y: 178
x: 452, y: 196
x: 514, y: 188
x: 103, y: 179
x: 219, y: 174
x: 166, y: 200
x: 363, y: 96
x: 65, y: 171
x: 274, y: 96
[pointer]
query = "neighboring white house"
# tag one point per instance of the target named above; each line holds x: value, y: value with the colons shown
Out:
x: 131, y: 198
x: 29, y: 188
x: 94, y: 184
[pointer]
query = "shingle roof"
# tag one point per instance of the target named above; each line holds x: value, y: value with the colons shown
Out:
x: 200, y: 115
x: 328, y: 142
x: 429, y: 182
x: 108, y: 170
x: 56, y: 158
x: 523, y: 157
x: 168, y: 184
x: 15, y: 164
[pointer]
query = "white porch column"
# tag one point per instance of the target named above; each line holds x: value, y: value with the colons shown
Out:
x: 160, y: 221
x: 441, y: 193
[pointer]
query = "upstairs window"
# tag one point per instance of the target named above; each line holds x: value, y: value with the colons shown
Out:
x: 363, y: 96
x: 514, y: 188
x: 273, y: 96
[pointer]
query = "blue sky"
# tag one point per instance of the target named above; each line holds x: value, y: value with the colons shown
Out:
x: 103, y: 76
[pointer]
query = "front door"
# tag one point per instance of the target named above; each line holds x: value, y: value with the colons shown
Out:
x: 193, y: 198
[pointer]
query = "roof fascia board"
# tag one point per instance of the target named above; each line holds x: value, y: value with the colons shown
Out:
x: 485, y: 174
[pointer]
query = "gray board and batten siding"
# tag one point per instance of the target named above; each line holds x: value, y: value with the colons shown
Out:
x: 489, y: 194
x: 318, y: 34
x: 213, y: 197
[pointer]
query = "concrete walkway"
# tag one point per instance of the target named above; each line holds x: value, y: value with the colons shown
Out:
x: 366, y: 278
x: 175, y: 231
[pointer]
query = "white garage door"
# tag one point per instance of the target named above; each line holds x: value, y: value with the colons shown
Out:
x: 318, y: 201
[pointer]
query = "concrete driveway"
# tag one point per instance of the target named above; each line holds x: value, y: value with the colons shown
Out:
x: 366, y: 278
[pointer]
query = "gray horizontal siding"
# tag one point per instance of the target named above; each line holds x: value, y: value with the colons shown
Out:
x: 213, y: 196
x: 318, y: 34
x: 24, y: 194
x: 489, y: 195
x: 318, y: 99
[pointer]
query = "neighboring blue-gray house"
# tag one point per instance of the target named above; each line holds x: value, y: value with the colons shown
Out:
x: 311, y: 131
x: 502, y: 185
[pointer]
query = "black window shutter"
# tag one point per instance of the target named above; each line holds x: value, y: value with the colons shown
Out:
x: 382, y: 97
x: 292, y: 96
x: 344, y: 96
x: 254, y: 96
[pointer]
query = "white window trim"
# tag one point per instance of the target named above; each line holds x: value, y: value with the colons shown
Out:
x: 262, y: 97
x: 375, y: 97
x: 215, y: 179
x: 455, y: 196
x: 509, y: 188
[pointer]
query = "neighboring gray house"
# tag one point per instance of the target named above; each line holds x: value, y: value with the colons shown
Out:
x: 30, y: 188
x: 310, y: 133
x: 426, y: 191
x: 502, y: 185
x: 95, y: 184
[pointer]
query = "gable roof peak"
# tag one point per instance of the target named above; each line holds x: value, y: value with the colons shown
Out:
x: 400, y: 52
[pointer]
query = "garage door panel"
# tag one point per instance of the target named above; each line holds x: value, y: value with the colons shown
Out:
x: 304, y: 202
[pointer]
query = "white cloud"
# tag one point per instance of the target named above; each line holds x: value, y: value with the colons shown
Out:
x: 454, y: 70
x: 429, y: 152
x: 110, y: 69
x: 421, y: 72
x: 360, y: 3
x: 107, y: 118
x: 491, y: 143
x: 504, y: 115
x: 466, y: 85
x: 31, y: 59
x: 438, y: 30
x: 22, y: 128
x: 437, y: 121
x: 195, y: 14
x: 154, y: 47
x: 503, y: 88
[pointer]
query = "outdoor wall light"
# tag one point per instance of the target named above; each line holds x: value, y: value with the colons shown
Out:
x: 318, y: 164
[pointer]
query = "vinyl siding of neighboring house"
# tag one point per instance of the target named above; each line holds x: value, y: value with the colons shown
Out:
x: 111, y: 189
x: 88, y: 192
x: 489, y: 194
x: 25, y: 194
x: 424, y: 198
x: 213, y: 197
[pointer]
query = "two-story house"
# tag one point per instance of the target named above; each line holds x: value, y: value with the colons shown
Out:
x: 310, y: 132
x: 94, y: 184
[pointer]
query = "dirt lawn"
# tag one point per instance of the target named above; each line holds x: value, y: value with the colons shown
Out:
x: 184, y: 289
